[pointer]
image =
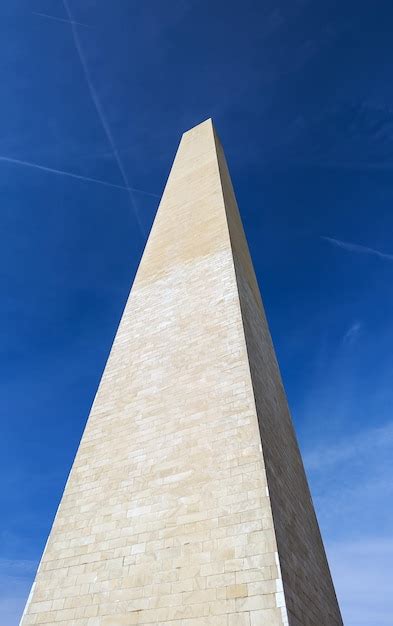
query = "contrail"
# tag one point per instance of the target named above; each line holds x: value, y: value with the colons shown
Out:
x: 52, y: 170
x: 101, y: 114
x: 355, y: 247
x: 59, y: 19
x: 106, y: 154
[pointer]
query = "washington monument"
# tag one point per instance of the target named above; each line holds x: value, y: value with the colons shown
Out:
x: 187, y: 503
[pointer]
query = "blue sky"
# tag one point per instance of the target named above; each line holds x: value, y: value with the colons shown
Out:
x: 301, y: 95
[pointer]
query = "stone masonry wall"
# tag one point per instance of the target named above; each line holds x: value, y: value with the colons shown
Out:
x: 166, y: 517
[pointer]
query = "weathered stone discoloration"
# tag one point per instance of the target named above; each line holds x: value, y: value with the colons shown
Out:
x: 167, y: 517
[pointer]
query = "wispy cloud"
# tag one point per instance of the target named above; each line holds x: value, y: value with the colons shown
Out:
x: 88, y: 179
x: 351, y: 165
x: 355, y: 247
x: 352, y: 490
x: 352, y: 333
x: 101, y: 114
x: 365, y: 443
x: 363, y: 576
x: 17, y: 567
x: 15, y: 582
x: 353, y: 136
x: 59, y: 19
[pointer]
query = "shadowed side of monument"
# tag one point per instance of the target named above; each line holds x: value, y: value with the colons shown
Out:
x: 174, y: 513
x: 309, y: 591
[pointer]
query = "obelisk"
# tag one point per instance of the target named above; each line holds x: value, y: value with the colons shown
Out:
x: 187, y: 503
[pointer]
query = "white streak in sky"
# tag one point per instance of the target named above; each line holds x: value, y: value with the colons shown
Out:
x: 355, y: 247
x: 101, y: 114
x: 60, y: 19
x: 352, y: 333
x: 370, y: 442
x: 52, y: 170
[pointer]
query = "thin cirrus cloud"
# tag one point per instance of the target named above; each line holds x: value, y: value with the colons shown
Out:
x: 374, y: 439
x: 351, y: 484
x: 88, y: 179
x: 15, y: 582
x: 355, y: 247
x: 362, y: 568
x: 101, y: 114
x: 59, y: 19
x: 352, y: 333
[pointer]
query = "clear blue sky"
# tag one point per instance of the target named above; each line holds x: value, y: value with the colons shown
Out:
x: 301, y: 94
